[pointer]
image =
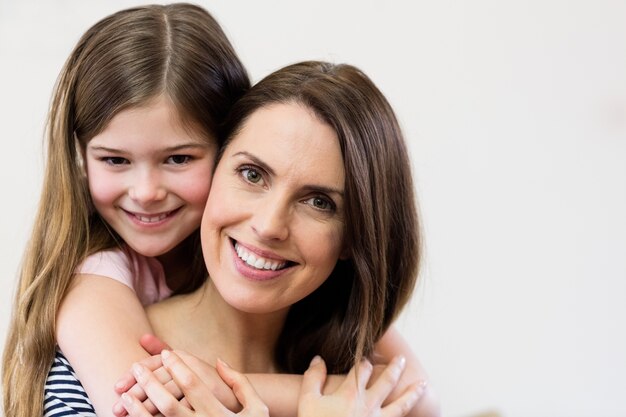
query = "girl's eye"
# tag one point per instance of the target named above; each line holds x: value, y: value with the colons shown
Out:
x: 251, y: 175
x: 321, y: 203
x: 115, y: 160
x: 178, y: 159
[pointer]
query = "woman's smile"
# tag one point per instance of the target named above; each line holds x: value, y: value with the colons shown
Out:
x: 272, y: 231
x: 258, y: 260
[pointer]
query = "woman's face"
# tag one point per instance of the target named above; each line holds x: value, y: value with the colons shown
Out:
x: 273, y: 226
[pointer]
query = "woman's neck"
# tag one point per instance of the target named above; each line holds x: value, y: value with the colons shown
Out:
x: 203, y: 324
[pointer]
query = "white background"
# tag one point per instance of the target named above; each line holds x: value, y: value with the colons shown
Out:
x: 515, y: 113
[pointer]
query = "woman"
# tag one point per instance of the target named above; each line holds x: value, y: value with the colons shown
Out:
x: 310, y: 233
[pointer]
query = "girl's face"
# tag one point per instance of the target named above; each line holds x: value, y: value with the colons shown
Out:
x: 149, y: 178
x: 272, y: 230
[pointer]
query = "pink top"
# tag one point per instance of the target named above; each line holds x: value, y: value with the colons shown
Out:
x: 142, y: 274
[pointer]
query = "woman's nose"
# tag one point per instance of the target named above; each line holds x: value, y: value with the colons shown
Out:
x: 271, y: 220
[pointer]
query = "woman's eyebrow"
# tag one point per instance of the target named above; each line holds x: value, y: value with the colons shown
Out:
x: 309, y: 187
x: 257, y: 161
x: 323, y: 189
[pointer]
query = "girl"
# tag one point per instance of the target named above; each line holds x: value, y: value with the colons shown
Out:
x: 313, y: 249
x: 131, y: 142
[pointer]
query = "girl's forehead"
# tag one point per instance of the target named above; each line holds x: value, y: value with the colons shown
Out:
x: 155, y: 123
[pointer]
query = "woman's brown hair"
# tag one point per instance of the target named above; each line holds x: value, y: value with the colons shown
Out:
x: 125, y: 60
x: 343, y: 319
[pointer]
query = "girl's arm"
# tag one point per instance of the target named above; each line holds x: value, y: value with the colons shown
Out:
x: 98, y: 326
x: 283, y: 401
x: 199, y: 399
x: 351, y: 398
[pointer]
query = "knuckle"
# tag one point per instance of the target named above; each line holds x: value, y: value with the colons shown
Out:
x: 262, y: 411
x: 405, y: 407
x: 169, y: 407
x: 239, y: 379
x: 187, y: 382
x: 390, y: 377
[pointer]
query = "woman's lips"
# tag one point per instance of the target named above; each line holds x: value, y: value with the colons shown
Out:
x: 258, y: 265
x: 257, y: 261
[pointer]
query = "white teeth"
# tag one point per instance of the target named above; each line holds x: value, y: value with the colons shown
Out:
x: 151, y: 219
x: 257, y: 261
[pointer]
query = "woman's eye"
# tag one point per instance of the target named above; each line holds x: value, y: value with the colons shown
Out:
x: 115, y: 160
x: 251, y: 175
x: 321, y: 203
x: 178, y: 159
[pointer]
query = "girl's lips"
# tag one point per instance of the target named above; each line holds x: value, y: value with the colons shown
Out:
x: 151, y: 219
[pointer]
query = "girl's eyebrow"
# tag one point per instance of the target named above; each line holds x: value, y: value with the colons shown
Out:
x: 184, y: 146
x: 309, y: 187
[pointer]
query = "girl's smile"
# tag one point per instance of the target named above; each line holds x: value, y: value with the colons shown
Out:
x: 149, y: 177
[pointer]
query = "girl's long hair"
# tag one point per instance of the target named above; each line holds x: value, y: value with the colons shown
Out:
x: 123, y: 61
x: 342, y: 320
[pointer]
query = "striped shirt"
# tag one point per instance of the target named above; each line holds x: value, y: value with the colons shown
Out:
x: 63, y: 394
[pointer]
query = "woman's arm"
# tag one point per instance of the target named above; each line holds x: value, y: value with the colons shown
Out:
x: 98, y: 326
x: 356, y: 396
x: 393, y: 344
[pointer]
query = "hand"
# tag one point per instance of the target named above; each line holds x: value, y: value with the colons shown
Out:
x: 128, y: 384
x: 151, y: 344
x: 352, y: 397
x: 207, y: 374
x: 197, y: 395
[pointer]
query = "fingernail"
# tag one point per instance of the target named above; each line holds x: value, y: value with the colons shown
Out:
x: 316, y: 360
x: 165, y: 354
x: 126, y: 399
x: 420, y: 387
x: 401, y: 361
x: 137, y: 370
x: 223, y: 363
x: 117, y: 407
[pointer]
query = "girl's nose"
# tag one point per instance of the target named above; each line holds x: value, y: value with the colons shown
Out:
x: 147, y: 188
